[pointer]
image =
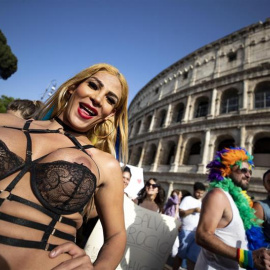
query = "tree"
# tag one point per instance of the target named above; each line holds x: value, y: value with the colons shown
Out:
x: 8, y: 61
x: 4, y: 101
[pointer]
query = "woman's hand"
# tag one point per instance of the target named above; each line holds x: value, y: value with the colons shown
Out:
x: 79, y: 258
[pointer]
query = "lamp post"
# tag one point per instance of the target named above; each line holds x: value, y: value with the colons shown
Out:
x: 49, y: 90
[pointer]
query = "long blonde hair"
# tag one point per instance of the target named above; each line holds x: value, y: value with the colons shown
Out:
x: 56, y: 104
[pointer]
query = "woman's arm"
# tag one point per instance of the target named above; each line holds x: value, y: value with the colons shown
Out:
x: 173, y: 200
x: 109, y: 204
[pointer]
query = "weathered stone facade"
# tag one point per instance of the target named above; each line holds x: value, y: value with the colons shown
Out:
x: 217, y: 96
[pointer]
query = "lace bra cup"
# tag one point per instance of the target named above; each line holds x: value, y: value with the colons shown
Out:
x: 9, y: 161
x: 61, y: 186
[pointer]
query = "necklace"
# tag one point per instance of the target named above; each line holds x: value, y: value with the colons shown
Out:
x: 67, y: 127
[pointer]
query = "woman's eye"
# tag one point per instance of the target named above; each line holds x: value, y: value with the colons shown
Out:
x: 111, y: 101
x: 93, y: 85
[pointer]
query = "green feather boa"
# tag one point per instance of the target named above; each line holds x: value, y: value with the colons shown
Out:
x: 241, y: 200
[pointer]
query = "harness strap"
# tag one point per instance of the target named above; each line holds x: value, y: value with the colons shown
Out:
x: 17, y: 179
x: 27, y: 124
x: 75, y: 141
x: 49, y: 230
x: 26, y: 243
x: 59, y: 218
x: 36, y: 225
x: 28, y: 158
x: 27, y: 164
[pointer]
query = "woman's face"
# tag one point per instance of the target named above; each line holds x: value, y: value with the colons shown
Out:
x: 151, y: 187
x: 93, y: 101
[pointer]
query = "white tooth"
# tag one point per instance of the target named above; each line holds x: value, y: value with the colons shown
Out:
x: 88, y: 110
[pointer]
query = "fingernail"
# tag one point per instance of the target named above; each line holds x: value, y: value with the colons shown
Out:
x: 53, y: 253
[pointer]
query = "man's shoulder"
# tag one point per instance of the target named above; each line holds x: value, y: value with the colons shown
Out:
x: 215, y: 194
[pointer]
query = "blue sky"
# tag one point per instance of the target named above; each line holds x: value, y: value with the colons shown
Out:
x: 55, y: 39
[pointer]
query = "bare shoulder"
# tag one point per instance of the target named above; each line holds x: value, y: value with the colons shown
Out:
x: 108, y: 166
x: 106, y: 159
x: 259, y: 210
x: 215, y: 195
x: 215, y: 210
x: 256, y: 205
x: 7, y: 119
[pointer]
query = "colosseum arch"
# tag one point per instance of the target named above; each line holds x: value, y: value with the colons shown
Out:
x: 226, y: 143
x: 168, y: 153
x: 138, y: 127
x: 261, y: 149
x: 150, y: 155
x: 130, y: 131
x: 262, y: 95
x: 229, y: 101
x: 223, y: 141
x: 135, y: 155
x: 146, y: 123
x: 201, y: 107
x: 178, y: 113
x: 192, y: 154
x: 160, y: 118
x: 129, y: 154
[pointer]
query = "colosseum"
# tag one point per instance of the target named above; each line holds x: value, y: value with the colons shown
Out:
x: 215, y: 97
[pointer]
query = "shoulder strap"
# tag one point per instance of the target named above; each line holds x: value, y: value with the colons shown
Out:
x: 88, y: 146
x: 27, y: 165
x: 25, y: 127
x: 78, y: 144
x: 27, y: 124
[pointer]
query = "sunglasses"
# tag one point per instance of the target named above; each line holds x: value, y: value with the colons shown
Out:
x: 245, y: 171
x: 153, y: 185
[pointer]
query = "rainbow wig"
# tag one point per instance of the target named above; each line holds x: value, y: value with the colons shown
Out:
x: 219, y: 177
x: 225, y: 159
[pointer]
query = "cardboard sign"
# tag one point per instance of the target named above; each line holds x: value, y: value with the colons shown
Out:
x: 150, y: 237
x: 136, y: 182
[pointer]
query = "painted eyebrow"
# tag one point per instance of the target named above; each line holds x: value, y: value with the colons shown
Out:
x: 102, y: 85
x: 99, y: 81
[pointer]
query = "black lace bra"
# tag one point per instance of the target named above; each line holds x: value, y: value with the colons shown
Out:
x: 61, y: 187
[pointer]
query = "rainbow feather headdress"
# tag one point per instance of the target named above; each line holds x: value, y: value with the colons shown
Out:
x: 219, y: 171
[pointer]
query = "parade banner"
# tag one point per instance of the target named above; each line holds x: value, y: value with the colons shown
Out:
x: 136, y: 182
x: 150, y: 237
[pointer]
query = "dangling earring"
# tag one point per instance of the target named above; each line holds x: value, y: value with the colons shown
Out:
x: 104, y: 136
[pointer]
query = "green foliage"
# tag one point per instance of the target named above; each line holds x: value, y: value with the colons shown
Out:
x: 8, y: 61
x: 4, y: 101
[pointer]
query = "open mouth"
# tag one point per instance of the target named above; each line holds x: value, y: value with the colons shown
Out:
x: 87, y: 110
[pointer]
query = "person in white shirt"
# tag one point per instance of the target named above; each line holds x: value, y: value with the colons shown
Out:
x: 189, y: 208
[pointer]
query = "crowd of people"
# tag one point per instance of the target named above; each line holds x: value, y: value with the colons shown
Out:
x: 221, y: 227
x: 59, y: 175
